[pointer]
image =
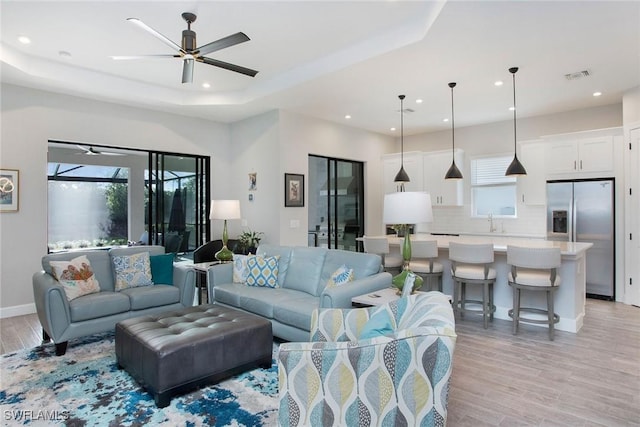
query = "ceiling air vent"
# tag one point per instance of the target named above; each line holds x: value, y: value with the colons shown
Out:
x: 577, y: 75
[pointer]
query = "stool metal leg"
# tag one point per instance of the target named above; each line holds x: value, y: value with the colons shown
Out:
x: 516, y: 309
x: 463, y: 297
x: 455, y: 296
x: 551, y: 314
x: 486, y: 308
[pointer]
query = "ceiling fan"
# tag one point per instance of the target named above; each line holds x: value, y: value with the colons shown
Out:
x: 92, y: 151
x: 189, y: 53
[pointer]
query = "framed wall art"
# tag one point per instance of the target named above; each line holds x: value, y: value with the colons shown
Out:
x: 293, y: 190
x: 8, y: 190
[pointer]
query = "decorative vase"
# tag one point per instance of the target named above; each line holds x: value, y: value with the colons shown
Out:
x: 398, y: 281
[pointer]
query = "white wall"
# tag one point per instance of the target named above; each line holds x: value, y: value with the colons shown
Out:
x: 255, y: 149
x: 301, y: 136
x: 631, y: 107
x: 29, y: 119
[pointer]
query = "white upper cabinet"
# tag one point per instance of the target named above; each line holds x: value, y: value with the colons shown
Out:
x: 532, y: 186
x: 584, y: 156
x: 412, y: 165
x: 444, y: 192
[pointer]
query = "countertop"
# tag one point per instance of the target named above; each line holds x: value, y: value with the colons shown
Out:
x: 500, y: 242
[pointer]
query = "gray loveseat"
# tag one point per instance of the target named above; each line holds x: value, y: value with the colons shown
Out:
x: 63, y: 320
x: 303, y: 273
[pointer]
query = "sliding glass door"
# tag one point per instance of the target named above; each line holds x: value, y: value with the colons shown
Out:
x: 178, y: 194
x: 102, y: 196
x: 336, y: 203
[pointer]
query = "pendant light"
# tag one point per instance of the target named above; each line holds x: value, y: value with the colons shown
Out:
x: 515, y: 168
x: 453, y: 172
x: 401, y: 176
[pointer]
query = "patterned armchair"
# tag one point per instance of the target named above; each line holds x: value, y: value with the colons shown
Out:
x: 401, y: 378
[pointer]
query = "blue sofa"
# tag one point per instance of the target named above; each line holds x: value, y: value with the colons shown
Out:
x: 63, y: 320
x: 303, y: 273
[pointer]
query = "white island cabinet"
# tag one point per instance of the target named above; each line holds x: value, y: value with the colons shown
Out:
x: 570, y: 298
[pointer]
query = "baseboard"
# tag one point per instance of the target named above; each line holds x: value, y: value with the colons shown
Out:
x: 17, y: 310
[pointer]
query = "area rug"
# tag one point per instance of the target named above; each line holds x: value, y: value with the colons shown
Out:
x: 85, y: 388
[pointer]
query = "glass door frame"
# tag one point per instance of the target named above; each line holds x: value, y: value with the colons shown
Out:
x: 156, y: 209
x: 333, y: 202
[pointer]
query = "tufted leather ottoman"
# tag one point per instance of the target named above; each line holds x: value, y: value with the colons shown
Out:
x: 176, y: 351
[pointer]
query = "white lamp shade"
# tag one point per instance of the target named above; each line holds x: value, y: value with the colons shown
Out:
x: 225, y: 209
x: 407, y: 207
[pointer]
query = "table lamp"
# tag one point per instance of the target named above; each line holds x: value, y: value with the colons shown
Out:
x: 406, y: 208
x: 224, y: 209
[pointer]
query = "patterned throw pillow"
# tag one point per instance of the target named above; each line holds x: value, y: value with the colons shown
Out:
x: 76, y: 277
x: 341, y: 276
x: 263, y: 271
x: 240, y: 271
x: 132, y: 271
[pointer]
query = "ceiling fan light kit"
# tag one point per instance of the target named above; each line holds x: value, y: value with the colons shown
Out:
x: 190, y: 53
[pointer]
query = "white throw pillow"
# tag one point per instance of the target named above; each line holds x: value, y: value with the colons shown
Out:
x: 75, y: 276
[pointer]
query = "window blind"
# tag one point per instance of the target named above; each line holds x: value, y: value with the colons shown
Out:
x: 490, y: 171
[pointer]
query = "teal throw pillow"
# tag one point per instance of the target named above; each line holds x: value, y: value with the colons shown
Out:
x: 378, y: 325
x: 162, y: 269
x: 263, y: 271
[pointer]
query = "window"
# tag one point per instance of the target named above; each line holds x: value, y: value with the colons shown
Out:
x: 492, y: 193
x: 87, y: 205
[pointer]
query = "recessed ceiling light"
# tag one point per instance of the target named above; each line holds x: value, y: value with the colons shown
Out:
x: 498, y: 83
x: 206, y: 85
x: 392, y: 129
x: 418, y: 101
x: 597, y: 93
x: 445, y: 119
x: 24, y: 39
x: 347, y: 117
x: 512, y: 108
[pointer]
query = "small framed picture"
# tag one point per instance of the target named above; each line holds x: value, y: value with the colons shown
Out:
x: 9, y: 190
x: 293, y: 190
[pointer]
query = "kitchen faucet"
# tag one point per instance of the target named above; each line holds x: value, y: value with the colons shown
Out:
x: 492, y: 226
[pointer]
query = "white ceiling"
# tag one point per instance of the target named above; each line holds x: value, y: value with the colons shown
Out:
x: 327, y: 59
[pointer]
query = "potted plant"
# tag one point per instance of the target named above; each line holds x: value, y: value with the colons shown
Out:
x: 248, y: 241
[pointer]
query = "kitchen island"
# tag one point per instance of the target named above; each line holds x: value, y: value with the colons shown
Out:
x: 570, y: 297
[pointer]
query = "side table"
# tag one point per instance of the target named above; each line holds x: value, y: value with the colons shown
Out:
x: 202, y: 276
x: 380, y: 297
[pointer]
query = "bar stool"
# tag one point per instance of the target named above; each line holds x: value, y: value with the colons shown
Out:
x: 471, y: 264
x: 423, y: 262
x: 380, y: 246
x: 533, y: 269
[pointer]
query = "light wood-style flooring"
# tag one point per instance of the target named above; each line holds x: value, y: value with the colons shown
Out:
x: 587, y: 379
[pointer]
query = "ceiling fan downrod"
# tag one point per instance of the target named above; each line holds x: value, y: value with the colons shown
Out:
x: 188, y: 36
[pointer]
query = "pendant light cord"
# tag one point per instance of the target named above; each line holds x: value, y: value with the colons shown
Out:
x: 453, y: 134
x: 515, y: 137
x: 401, y: 130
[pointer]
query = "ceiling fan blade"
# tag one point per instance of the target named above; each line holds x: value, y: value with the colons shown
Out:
x: 227, y: 66
x: 156, y: 34
x: 128, y: 57
x: 224, y: 42
x: 187, y: 71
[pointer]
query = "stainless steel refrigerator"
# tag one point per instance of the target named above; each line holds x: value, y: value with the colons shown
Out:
x: 583, y: 211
